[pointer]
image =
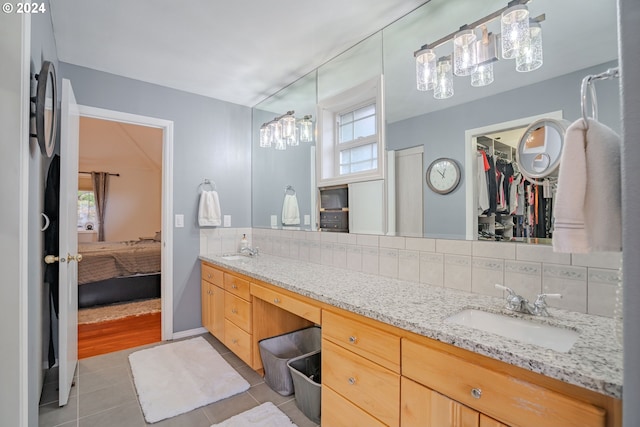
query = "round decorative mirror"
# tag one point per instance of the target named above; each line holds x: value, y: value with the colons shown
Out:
x: 46, y: 100
x: 540, y: 148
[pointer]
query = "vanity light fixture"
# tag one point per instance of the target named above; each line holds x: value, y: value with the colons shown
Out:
x: 285, y: 131
x: 444, y: 79
x: 305, y: 133
x: 521, y: 40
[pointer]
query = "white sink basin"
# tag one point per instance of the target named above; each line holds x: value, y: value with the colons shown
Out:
x: 551, y: 337
x: 233, y: 257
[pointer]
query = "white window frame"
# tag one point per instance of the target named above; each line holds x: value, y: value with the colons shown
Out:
x: 328, y: 147
x: 354, y: 143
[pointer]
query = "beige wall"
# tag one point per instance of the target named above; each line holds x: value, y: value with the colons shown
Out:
x: 135, y: 152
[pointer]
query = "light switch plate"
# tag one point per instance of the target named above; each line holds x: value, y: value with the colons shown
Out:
x: 227, y: 220
x: 307, y: 219
x: 179, y: 220
x: 274, y: 220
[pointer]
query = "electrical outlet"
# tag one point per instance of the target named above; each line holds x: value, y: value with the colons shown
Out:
x: 307, y: 220
x: 227, y: 220
x: 274, y: 220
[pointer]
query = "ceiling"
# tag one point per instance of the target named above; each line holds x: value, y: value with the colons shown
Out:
x: 239, y: 51
x: 115, y: 147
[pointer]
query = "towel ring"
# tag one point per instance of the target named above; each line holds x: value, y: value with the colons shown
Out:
x: 206, y: 183
x: 588, y: 86
x: 288, y: 189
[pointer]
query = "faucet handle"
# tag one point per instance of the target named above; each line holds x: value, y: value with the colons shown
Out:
x: 540, y: 304
x: 506, y: 288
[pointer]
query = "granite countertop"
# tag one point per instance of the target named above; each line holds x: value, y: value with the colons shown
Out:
x: 594, y: 362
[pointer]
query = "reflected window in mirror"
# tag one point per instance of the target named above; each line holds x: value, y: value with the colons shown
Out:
x: 351, y: 142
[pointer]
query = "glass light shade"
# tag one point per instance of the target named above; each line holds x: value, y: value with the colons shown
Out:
x: 529, y: 55
x: 514, y: 25
x: 444, y: 79
x: 265, y: 136
x: 464, y: 53
x: 293, y: 139
x: 276, y: 136
x: 425, y: 69
x: 483, y: 75
x: 305, y: 133
x: 288, y: 125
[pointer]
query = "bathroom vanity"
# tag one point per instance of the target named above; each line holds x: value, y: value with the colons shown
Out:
x: 390, y: 359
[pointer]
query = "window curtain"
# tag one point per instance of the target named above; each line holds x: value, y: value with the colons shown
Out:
x: 100, y: 189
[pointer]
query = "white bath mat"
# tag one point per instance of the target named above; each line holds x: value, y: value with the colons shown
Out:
x: 265, y: 415
x: 175, y: 378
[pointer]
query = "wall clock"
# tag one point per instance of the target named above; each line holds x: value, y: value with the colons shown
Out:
x: 443, y: 175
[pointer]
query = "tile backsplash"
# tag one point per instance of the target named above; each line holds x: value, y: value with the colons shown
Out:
x: 587, y: 282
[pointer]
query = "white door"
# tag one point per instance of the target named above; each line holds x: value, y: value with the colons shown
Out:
x: 409, y: 180
x: 68, y: 259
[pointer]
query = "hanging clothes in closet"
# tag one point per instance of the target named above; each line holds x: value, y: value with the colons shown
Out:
x: 510, y: 206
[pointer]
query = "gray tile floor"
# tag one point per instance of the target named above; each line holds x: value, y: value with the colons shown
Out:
x: 104, y: 395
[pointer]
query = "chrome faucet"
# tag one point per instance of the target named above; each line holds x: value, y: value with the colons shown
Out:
x: 249, y: 251
x: 520, y: 304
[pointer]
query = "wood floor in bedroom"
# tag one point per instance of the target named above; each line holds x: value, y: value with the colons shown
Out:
x: 114, y: 335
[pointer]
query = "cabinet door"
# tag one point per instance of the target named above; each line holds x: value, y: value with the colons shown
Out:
x: 206, y: 310
x: 490, y: 422
x: 423, y: 407
x: 216, y: 308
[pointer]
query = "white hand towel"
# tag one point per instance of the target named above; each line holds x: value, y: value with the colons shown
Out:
x: 290, y: 211
x: 209, y: 209
x: 588, y: 204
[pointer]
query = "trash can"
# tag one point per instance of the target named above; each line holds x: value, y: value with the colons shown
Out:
x: 305, y: 372
x: 276, y: 352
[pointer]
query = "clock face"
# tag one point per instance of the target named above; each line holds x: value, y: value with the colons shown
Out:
x: 443, y: 176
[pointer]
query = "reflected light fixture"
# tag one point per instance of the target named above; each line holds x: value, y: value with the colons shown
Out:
x: 305, y: 133
x: 465, y: 59
x: 425, y: 69
x: 444, y: 79
x: 529, y: 56
x: 514, y: 27
x: 521, y: 40
x: 285, y: 131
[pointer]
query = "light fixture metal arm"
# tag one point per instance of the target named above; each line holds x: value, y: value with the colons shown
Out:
x: 476, y: 24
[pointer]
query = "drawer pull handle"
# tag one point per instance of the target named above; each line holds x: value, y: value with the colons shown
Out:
x: 234, y: 341
x: 352, y: 380
x: 476, y: 393
x: 234, y: 311
x: 234, y: 286
x: 276, y: 300
x: 208, y: 275
x: 353, y: 339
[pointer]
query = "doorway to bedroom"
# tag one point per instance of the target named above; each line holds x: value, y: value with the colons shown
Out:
x: 120, y: 234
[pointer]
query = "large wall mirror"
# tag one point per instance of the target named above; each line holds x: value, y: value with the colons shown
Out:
x: 577, y: 41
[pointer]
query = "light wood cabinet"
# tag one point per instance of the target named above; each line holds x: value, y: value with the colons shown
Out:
x: 226, y: 310
x: 212, y: 302
x: 423, y: 407
x: 375, y: 374
x: 495, y: 394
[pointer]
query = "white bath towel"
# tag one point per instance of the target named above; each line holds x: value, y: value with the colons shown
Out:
x: 290, y: 211
x: 588, y: 203
x: 209, y: 210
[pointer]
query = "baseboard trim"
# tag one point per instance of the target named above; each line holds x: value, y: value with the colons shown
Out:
x: 189, y: 333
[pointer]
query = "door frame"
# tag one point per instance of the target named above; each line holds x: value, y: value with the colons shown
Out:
x: 166, y: 264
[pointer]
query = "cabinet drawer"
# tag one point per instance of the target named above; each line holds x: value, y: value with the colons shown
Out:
x: 372, y: 343
x: 238, y: 311
x: 290, y: 304
x: 237, y: 286
x: 212, y: 275
x: 370, y: 386
x: 340, y: 412
x: 503, y: 397
x: 238, y: 341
